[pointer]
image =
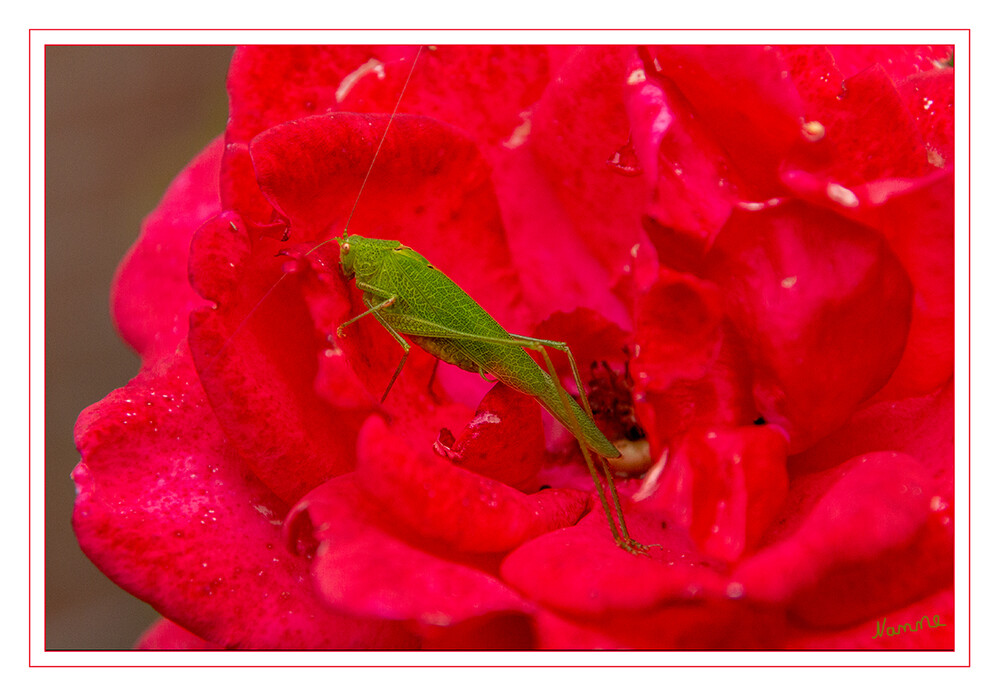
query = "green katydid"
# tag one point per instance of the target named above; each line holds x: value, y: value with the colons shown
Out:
x: 412, y: 299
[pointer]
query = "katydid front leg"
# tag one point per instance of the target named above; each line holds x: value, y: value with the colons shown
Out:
x: 373, y: 309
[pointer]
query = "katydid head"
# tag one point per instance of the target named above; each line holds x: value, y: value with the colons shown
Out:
x: 361, y: 256
x: 347, y: 256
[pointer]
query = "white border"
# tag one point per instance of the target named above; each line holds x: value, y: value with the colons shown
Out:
x: 39, y: 657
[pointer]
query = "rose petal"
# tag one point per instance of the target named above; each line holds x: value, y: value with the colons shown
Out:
x: 725, y: 486
x: 712, y: 624
x: 166, y: 511
x: 723, y: 396
x: 743, y: 96
x: 866, y: 134
x: 823, y: 306
x: 484, y: 90
x: 274, y: 84
x: 241, y: 193
x: 873, y: 541
x: 919, y: 225
x: 920, y: 426
x: 150, y: 294
x: 269, y: 85
x: 678, y: 332
x: 606, y: 578
x: 577, y: 129
x: 929, y: 96
x: 363, y: 569
x: 505, y: 441
x: 816, y: 77
x: 690, y: 175
x: 444, y: 502
x: 899, y: 60
x: 562, y: 273
x: 256, y: 353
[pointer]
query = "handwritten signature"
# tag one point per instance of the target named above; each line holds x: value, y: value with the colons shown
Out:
x: 881, y: 628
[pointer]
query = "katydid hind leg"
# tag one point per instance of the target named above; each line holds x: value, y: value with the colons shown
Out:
x: 615, y: 518
x: 564, y: 347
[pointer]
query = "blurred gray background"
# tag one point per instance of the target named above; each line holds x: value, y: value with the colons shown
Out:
x: 120, y: 123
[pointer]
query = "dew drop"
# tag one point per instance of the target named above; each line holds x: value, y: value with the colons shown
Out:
x: 735, y: 590
x: 625, y: 161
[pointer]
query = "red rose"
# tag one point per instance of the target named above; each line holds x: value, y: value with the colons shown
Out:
x: 750, y: 251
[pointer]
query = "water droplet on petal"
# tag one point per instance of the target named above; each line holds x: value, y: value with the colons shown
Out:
x: 625, y: 161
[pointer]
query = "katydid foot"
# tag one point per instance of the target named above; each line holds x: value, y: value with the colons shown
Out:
x: 633, y: 547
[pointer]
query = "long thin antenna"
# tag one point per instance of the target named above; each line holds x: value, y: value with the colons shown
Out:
x: 381, y: 142
x: 357, y: 199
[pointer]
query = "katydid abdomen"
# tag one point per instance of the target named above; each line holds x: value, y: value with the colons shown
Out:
x: 422, y: 303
